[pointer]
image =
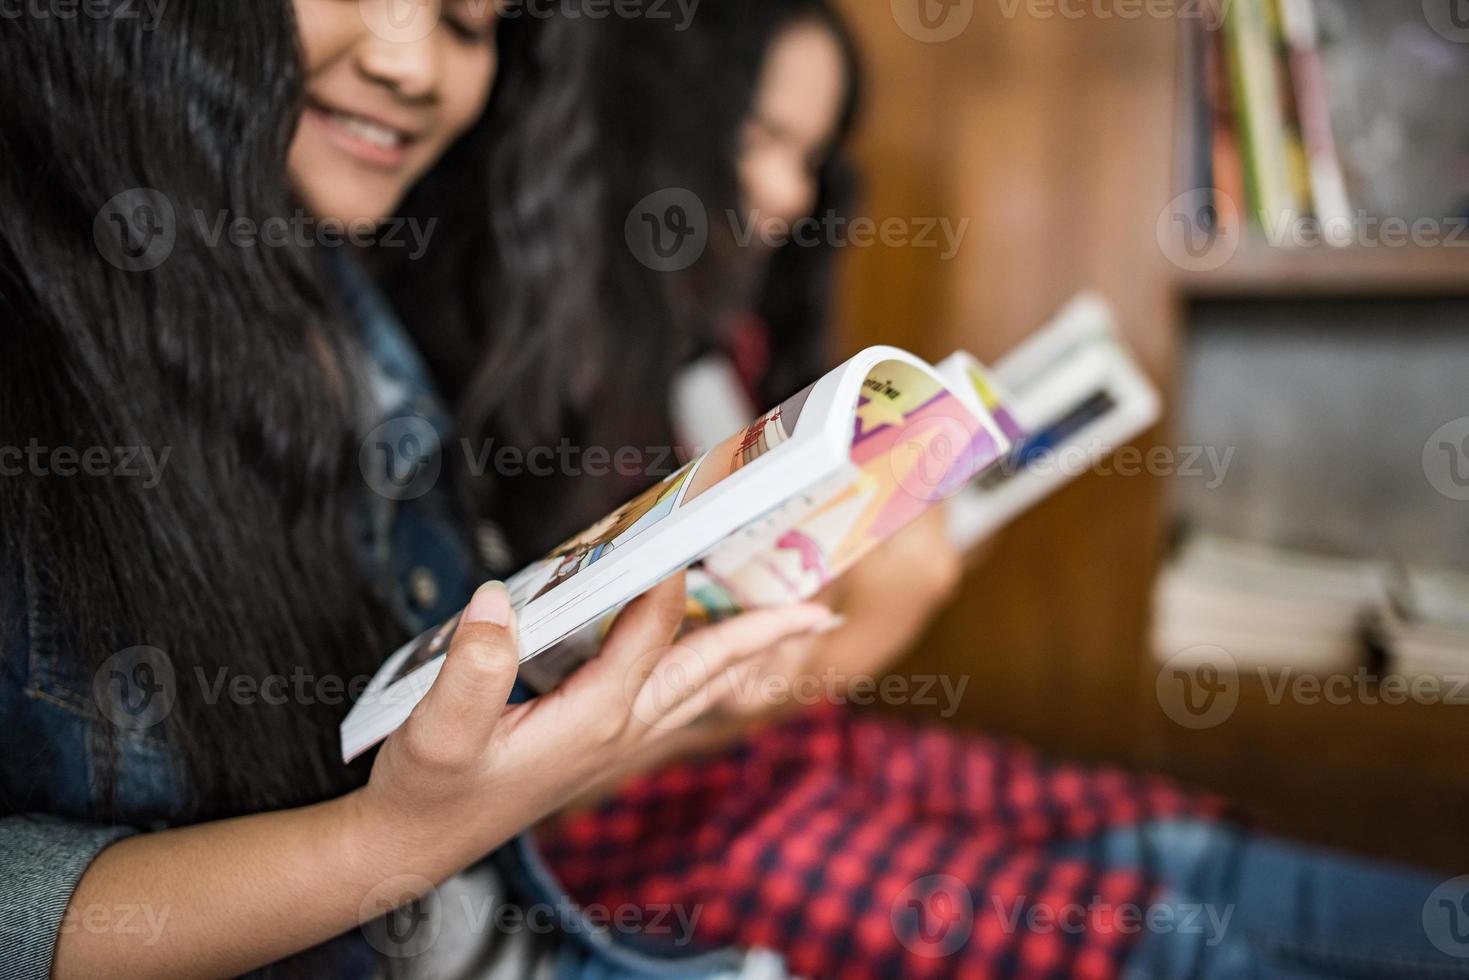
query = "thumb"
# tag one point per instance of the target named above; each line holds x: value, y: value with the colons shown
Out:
x: 470, y: 693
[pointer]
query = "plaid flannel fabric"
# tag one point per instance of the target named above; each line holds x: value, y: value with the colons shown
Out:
x: 864, y: 847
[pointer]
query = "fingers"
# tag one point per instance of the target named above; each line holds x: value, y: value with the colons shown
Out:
x: 589, y: 707
x: 726, y: 643
x: 684, y: 681
x: 650, y: 622
x: 466, y: 699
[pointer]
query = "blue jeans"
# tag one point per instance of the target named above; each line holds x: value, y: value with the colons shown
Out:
x: 1234, y: 904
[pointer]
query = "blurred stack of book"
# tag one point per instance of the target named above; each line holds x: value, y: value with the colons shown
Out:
x: 1312, y: 118
x: 1424, y: 626
x: 1266, y: 607
x: 1274, y: 608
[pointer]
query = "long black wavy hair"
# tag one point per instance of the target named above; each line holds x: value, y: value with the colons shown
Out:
x: 537, y: 320
x: 231, y: 359
x: 536, y: 315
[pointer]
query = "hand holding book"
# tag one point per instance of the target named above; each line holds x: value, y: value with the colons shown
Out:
x: 784, y: 506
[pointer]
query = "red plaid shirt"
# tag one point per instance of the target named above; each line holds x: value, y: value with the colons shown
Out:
x: 863, y: 847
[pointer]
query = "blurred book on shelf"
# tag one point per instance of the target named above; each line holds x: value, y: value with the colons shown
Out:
x: 1424, y: 626
x: 1324, y: 117
x: 1267, y: 607
x: 1275, y: 608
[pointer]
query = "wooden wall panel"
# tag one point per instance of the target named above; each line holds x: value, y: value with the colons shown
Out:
x: 1053, y: 137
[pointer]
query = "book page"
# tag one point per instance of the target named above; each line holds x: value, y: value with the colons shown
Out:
x: 913, y: 443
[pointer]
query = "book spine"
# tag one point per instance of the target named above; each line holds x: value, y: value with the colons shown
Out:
x: 1226, y: 171
x: 1290, y: 119
x: 1256, y: 87
x: 1193, y: 163
x: 1330, y: 201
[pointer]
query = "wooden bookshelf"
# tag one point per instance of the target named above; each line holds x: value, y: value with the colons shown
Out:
x: 1380, y: 778
x: 1259, y: 270
x: 1057, y: 139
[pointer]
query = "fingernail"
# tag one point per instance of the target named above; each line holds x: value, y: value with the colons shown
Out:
x: 491, y: 604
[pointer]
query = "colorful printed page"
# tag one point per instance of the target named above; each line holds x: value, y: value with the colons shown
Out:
x: 913, y: 443
x: 961, y: 369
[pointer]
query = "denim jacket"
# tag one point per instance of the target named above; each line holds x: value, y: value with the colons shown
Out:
x: 419, y: 557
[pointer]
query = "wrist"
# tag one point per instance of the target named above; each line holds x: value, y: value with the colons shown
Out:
x: 375, y: 844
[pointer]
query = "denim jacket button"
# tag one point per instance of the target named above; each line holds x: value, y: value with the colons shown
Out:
x: 423, y: 588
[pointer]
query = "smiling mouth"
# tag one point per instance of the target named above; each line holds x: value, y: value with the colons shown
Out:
x: 370, y: 140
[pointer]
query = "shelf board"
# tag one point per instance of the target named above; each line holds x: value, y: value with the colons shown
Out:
x: 1261, y: 271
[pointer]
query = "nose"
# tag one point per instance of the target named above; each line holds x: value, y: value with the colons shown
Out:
x: 405, y: 59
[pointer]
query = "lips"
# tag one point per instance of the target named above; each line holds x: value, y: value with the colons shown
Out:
x: 369, y: 139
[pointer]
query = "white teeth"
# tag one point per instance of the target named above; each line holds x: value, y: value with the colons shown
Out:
x: 366, y: 129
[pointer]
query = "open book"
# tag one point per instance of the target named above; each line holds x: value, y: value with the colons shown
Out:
x: 773, y: 513
x: 1068, y: 396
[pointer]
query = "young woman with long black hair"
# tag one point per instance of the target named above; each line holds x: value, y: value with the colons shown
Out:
x: 178, y: 649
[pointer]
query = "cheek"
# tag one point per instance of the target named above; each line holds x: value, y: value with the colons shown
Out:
x: 327, y: 31
x: 466, y: 89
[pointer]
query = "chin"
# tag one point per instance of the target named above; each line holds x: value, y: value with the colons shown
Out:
x: 350, y: 211
x: 339, y: 201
